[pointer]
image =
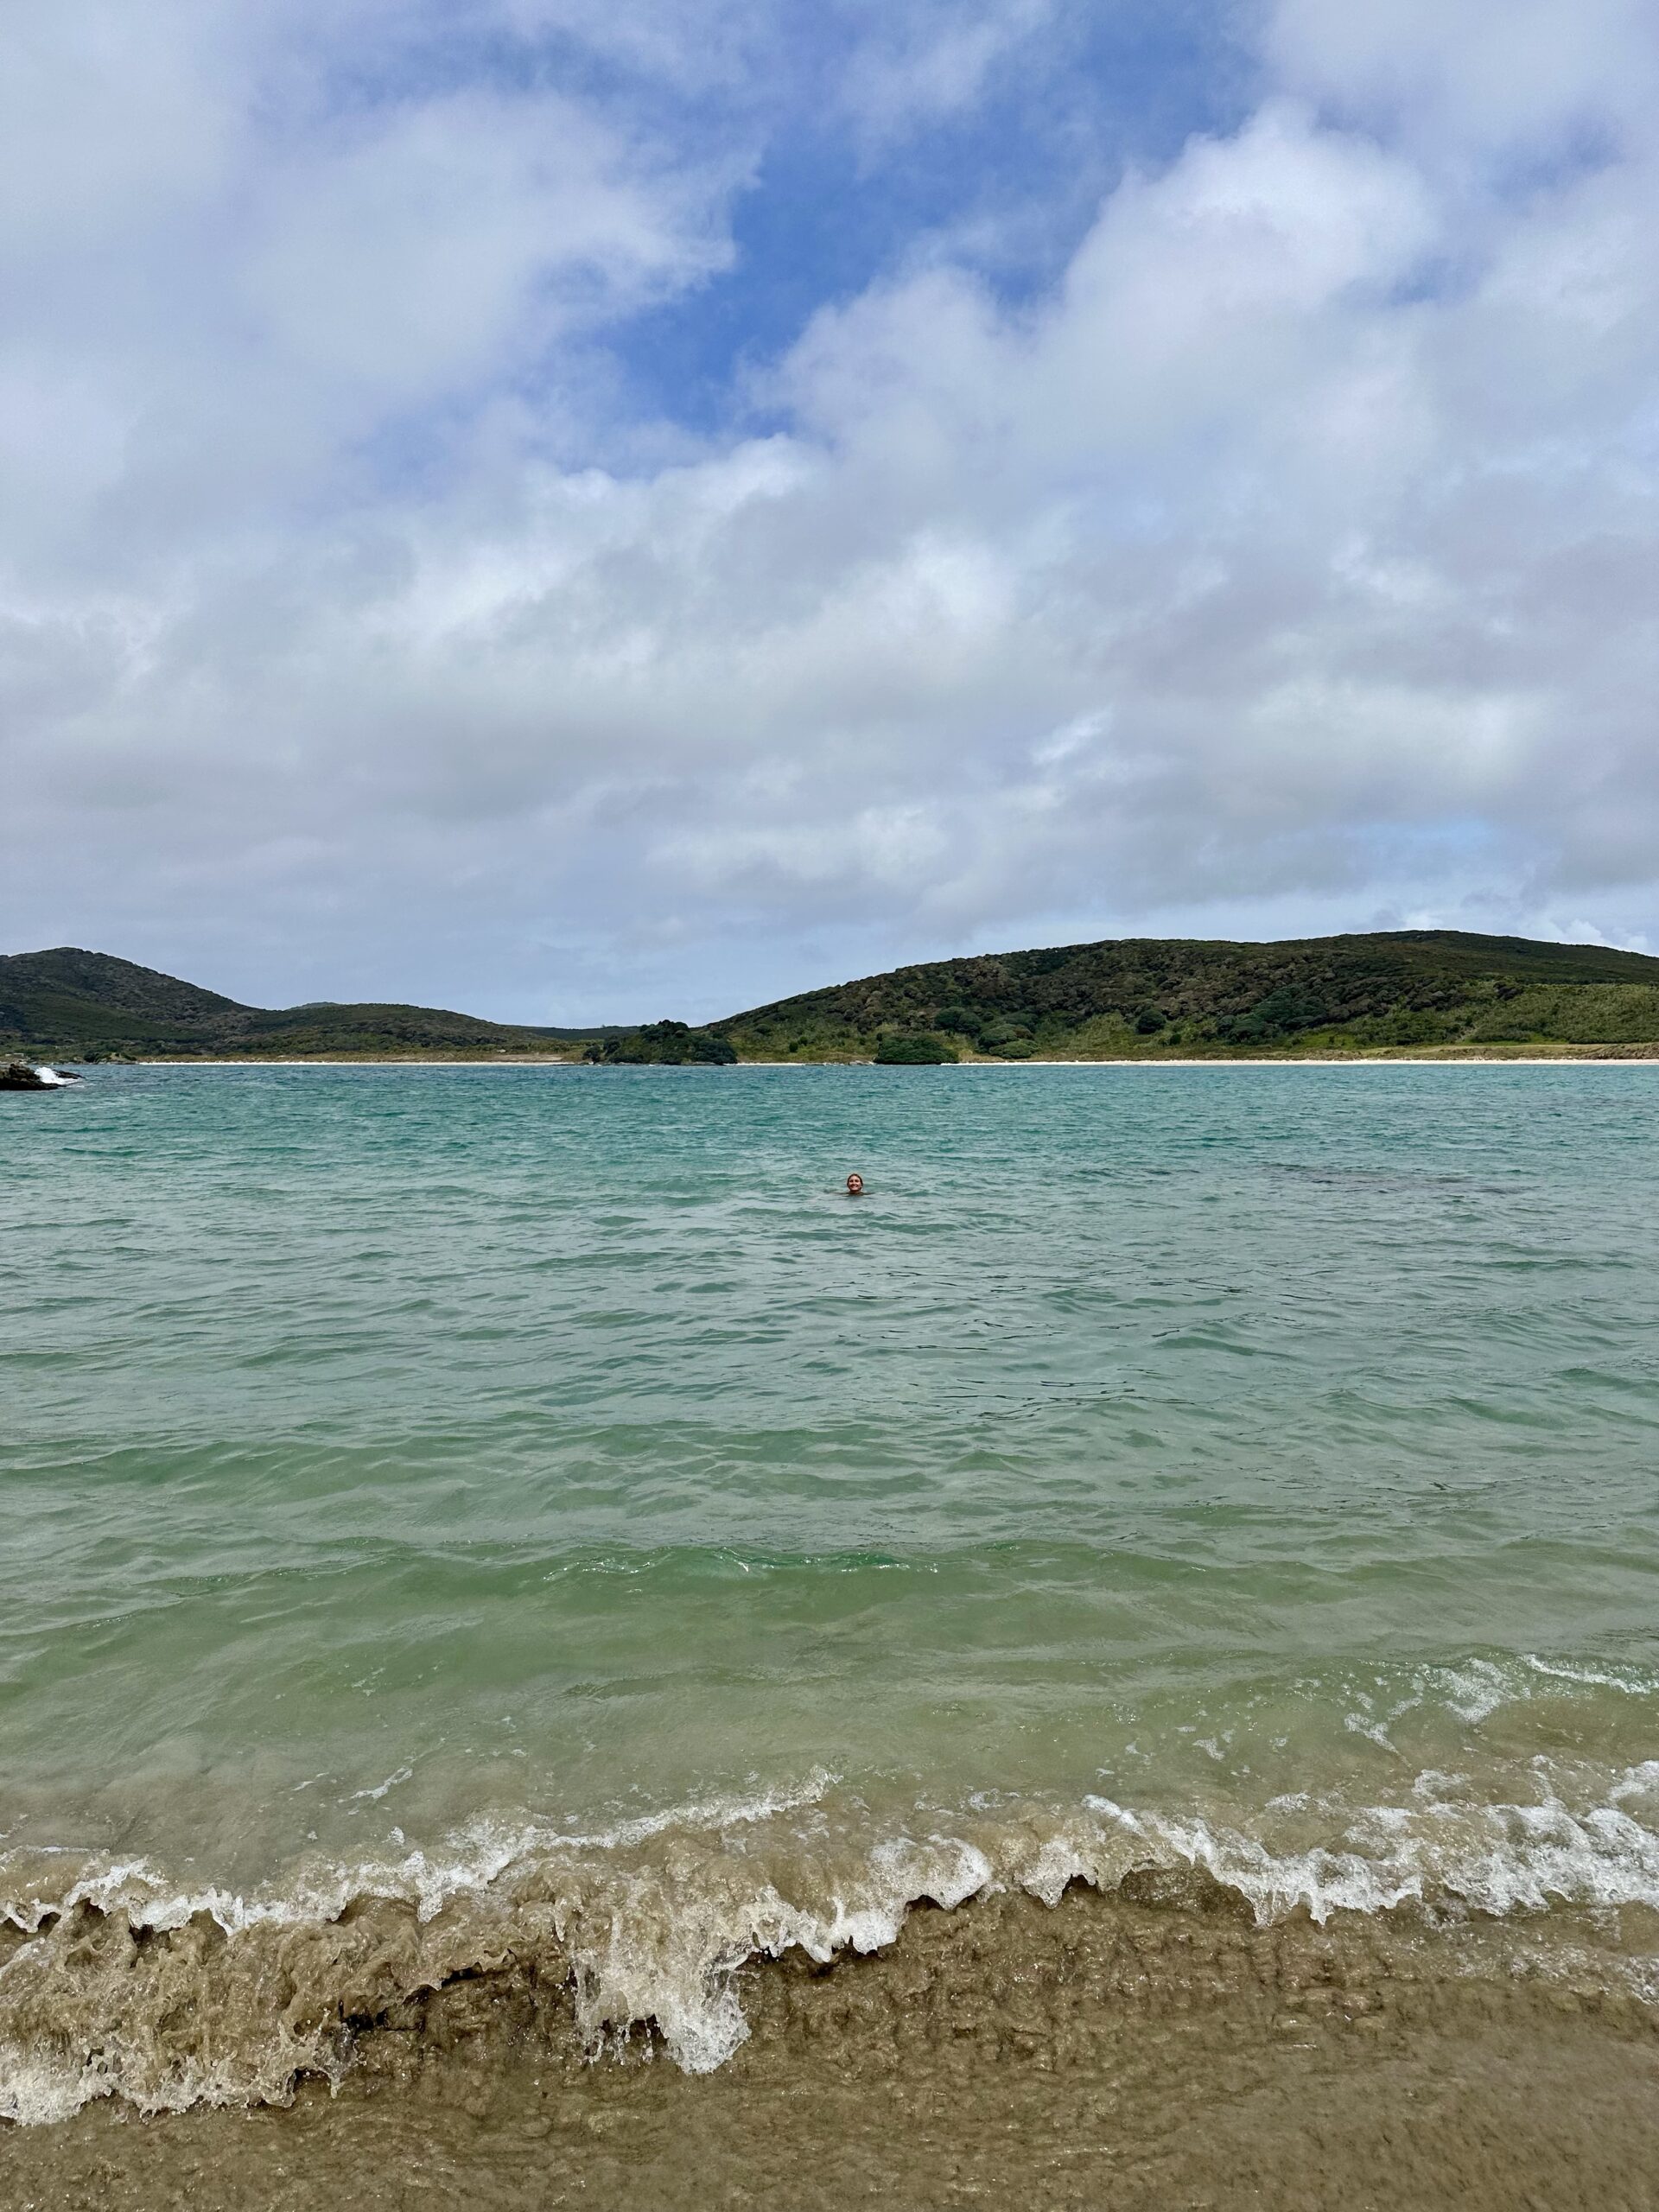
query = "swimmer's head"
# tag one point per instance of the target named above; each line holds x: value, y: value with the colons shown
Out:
x: 855, y: 1187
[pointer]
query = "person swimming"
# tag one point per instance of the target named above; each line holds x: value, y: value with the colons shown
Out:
x: 855, y: 1187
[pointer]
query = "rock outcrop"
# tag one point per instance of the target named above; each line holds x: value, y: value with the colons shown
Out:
x: 18, y: 1075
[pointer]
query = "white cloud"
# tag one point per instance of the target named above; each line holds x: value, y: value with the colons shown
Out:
x: 1290, y: 556
x: 929, y: 61
x: 409, y: 256
x: 113, y: 119
x: 1462, y: 83
x: 245, y: 251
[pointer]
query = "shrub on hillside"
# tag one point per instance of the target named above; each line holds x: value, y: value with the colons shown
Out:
x: 914, y: 1051
x: 663, y: 1044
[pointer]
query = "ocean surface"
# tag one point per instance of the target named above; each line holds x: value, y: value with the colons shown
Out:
x: 464, y: 1520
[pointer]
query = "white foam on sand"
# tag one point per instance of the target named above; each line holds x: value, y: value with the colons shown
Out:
x: 123, y: 1984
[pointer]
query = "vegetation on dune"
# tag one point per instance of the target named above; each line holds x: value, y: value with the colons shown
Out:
x: 1175, y: 998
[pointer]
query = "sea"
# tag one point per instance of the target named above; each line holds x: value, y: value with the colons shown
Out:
x: 527, y: 1525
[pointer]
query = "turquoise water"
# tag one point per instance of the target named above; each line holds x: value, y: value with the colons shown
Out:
x: 442, y: 1469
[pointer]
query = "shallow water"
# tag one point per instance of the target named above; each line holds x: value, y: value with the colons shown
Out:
x: 448, y: 1513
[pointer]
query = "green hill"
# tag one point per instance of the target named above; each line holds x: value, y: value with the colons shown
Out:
x: 1149, y: 998
x: 1438, y: 991
x: 74, y: 1004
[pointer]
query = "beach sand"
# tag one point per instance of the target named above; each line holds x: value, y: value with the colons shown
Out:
x: 1122, y: 2051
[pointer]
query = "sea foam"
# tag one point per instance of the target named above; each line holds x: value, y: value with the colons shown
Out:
x: 121, y: 1983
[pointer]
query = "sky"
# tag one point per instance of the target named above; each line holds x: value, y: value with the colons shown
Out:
x: 588, y: 509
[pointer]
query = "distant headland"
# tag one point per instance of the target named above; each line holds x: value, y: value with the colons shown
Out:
x: 1415, y: 994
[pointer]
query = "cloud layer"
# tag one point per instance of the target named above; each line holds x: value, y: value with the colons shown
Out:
x: 1267, y: 543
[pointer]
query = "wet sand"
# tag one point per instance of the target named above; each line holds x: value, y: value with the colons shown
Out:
x: 1122, y: 2051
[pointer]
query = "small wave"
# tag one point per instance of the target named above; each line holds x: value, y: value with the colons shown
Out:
x: 116, y: 1982
x: 1498, y: 1860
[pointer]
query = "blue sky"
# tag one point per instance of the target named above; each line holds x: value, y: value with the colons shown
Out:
x: 1013, y: 178
x: 586, y: 511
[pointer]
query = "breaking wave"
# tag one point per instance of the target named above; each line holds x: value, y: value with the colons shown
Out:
x: 116, y: 1981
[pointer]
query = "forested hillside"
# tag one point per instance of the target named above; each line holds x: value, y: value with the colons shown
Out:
x: 1151, y: 997
x: 76, y: 1004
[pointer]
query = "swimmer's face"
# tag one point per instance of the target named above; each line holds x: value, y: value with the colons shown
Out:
x: 855, y: 1187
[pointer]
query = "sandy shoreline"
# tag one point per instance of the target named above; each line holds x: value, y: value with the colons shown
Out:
x: 1103, y: 2051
